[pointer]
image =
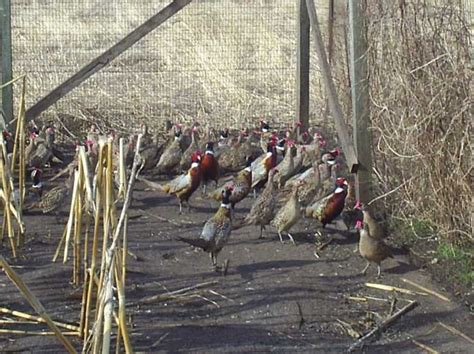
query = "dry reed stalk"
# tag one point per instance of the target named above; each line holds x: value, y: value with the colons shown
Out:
x: 99, y: 198
x: 122, y: 170
x: 71, y: 218
x: 78, y: 230
x: 120, y: 281
x: 456, y: 332
x: 425, y: 347
x: 34, y: 302
x: 88, y: 182
x: 394, y: 289
x: 105, y: 308
x: 7, y: 213
x: 36, y: 319
x: 19, y: 151
x: 431, y: 292
x: 60, y: 244
x: 34, y: 333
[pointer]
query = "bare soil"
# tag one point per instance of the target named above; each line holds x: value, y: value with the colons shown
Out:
x: 255, y: 307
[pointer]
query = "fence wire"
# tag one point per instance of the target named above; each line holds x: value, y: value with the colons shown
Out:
x: 228, y: 62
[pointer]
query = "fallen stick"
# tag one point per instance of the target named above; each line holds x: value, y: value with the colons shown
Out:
x: 393, y: 289
x: 172, y: 222
x: 34, y: 302
x: 431, y: 292
x: 35, y: 333
x: 27, y: 316
x: 425, y: 347
x: 457, y: 332
x: 170, y: 294
x: 325, y: 244
x: 161, y: 339
x: 383, y: 326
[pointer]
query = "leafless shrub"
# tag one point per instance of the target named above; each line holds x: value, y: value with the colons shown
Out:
x: 421, y: 111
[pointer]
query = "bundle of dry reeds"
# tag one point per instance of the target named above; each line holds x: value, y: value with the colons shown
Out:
x: 99, y: 243
x: 12, y: 172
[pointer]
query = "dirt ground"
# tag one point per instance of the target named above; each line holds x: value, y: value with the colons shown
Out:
x: 275, y: 297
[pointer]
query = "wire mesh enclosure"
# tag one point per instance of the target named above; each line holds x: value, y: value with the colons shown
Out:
x: 227, y: 61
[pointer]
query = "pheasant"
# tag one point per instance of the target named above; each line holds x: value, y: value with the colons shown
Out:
x: 183, y: 186
x: 150, y: 153
x: 286, y: 167
x: 41, y: 151
x: 263, y: 210
x: 234, y: 158
x: 171, y: 156
x: 288, y: 215
x: 265, y: 134
x: 262, y: 165
x: 216, y: 230
x: 240, y: 186
x: 185, y: 162
x: 37, y: 186
x: 56, y: 198
x: 209, y: 166
x: 372, y: 249
x: 376, y: 229
x: 329, y: 208
x: 351, y: 212
x: 8, y: 140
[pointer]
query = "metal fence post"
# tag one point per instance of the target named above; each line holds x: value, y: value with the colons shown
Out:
x: 6, y: 55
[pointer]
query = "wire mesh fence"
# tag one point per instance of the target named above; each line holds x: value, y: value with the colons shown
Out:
x: 228, y: 62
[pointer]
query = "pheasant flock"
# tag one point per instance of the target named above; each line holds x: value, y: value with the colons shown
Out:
x: 291, y: 174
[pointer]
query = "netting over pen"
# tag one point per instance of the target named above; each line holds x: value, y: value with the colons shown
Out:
x: 226, y: 61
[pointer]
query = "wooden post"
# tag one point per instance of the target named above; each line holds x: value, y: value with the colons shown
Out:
x: 360, y: 98
x: 330, y: 30
x: 331, y: 93
x: 105, y: 58
x: 6, y: 54
x: 302, y: 69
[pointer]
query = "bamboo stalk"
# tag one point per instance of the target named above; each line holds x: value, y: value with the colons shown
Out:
x: 27, y: 316
x: 34, y: 302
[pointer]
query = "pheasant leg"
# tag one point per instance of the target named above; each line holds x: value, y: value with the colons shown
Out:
x: 378, y: 271
x: 364, y: 271
x: 214, y: 262
x: 291, y: 238
x: 261, y: 231
x: 281, y: 238
x: 180, y: 207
